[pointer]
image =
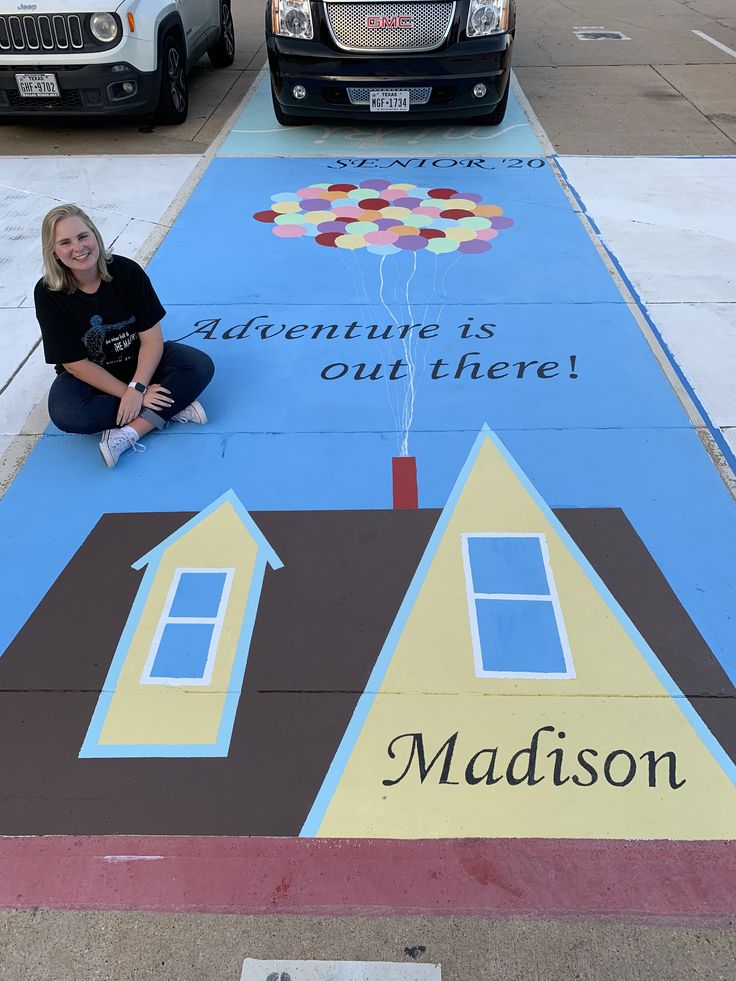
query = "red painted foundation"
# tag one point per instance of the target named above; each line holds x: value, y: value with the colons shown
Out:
x: 404, y: 473
x: 554, y: 878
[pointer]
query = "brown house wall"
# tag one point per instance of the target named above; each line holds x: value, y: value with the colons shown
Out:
x: 321, y: 622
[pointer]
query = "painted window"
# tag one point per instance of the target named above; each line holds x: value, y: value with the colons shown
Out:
x: 185, y: 642
x: 515, y: 617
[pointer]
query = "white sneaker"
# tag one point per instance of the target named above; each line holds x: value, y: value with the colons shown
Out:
x: 115, y: 442
x: 192, y: 413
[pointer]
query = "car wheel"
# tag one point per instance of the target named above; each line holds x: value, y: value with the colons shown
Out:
x: 496, y: 116
x: 282, y: 117
x: 173, y: 103
x: 222, y: 52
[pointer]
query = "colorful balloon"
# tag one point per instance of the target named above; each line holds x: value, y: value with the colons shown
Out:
x: 386, y: 218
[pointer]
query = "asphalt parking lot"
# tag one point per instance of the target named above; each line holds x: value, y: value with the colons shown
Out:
x: 214, y: 95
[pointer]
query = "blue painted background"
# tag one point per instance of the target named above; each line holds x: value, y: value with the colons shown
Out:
x: 217, y: 253
x: 284, y: 439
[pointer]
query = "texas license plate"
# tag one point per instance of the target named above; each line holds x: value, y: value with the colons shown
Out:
x: 389, y: 100
x: 38, y: 86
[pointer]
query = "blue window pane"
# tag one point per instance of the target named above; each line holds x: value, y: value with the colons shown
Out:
x: 183, y: 650
x: 519, y: 635
x: 198, y: 594
x: 507, y: 565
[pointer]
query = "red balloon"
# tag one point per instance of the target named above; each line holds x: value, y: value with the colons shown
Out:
x: 431, y: 233
x: 456, y: 213
x: 328, y: 238
x: 341, y: 187
x: 442, y: 192
x: 267, y: 216
x: 373, y: 204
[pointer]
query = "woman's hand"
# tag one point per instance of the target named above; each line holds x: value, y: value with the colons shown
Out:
x: 130, y: 407
x: 157, y: 397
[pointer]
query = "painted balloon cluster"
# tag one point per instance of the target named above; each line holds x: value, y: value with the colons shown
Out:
x: 385, y: 218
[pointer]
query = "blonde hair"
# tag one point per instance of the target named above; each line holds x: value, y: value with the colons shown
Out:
x: 56, y: 276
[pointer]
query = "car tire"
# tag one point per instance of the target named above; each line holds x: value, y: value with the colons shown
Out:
x: 173, y: 102
x: 496, y: 116
x: 222, y: 52
x: 282, y: 117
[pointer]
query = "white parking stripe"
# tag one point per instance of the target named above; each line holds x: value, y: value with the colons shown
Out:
x: 712, y: 40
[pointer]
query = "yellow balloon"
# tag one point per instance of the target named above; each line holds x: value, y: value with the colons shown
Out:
x: 462, y: 203
x: 350, y: 242
x: 317, y: 217
x: 286, y: 207
x: 459, y: 234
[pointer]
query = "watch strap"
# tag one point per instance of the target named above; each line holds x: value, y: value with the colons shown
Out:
x: 139, y: 387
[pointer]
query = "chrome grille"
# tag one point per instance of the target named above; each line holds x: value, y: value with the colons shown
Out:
x: 430, y: 25
x: 417, y: 96
x: 39, y: 32
x: 31, y: 33
x: 47, y: 34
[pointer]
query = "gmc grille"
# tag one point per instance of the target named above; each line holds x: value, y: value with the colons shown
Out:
x: 371, y: 26
x: 362, y: 96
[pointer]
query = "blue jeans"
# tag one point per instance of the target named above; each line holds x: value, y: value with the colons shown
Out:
x: 76, y: 407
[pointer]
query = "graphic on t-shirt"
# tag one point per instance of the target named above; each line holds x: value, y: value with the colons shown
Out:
x: 98, y: 336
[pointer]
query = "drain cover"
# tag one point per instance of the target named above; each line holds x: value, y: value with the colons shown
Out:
x: 255, y: 970
x: 598, y: 34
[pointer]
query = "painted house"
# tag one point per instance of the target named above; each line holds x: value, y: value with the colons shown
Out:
x: 368, y: 603
x: 176, y: 677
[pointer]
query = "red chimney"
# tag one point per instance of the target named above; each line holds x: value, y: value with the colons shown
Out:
x: 406, y: 494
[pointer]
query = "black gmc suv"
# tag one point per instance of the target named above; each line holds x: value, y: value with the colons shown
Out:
x: 399, y: 61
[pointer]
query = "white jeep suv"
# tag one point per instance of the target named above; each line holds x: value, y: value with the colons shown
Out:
x: 80, y: 58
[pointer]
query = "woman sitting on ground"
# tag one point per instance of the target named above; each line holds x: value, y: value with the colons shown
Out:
x: 100, y: 322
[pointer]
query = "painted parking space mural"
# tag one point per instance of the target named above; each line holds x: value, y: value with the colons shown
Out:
x: 256, y: 132
x: 449, y: 559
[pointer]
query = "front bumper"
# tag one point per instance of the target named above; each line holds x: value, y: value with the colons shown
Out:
x: 451, y: 73
x: 84, y: 90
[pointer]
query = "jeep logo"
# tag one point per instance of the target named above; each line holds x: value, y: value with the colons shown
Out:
x: 404, y: 20
x: 27, y: 6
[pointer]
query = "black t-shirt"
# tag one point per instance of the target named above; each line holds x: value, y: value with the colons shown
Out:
x: 103, y: 326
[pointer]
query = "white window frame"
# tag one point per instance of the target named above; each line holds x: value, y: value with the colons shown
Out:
x: 551, y: 597
x: 165, y: 619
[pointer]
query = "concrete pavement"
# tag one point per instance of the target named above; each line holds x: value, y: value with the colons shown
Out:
x: 143, y: 946
x: 663, y: 90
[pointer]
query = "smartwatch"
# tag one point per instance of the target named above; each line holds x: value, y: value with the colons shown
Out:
x: 139, y: 387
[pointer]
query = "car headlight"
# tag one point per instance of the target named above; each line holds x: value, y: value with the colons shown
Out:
x: 104, y: 27
x: 487, y: 17
x: 292, y: 18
